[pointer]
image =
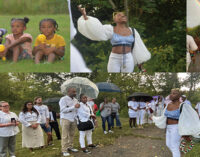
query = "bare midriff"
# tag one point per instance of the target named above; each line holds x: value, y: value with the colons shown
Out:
x: 121, y: 49
x: 171, y: 121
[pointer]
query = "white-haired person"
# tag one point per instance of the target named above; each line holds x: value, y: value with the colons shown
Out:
x: 179, y: 119
x: 85, y: 115
x: 8, y: 130
x: 32, y: 135
x: 128, y: 48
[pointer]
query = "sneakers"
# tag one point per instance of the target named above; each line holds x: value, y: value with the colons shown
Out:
x: 105, y: 132
x: 66, y: 154
x: 110, y: 131
x: 72, y: 150
x: 86, y: 151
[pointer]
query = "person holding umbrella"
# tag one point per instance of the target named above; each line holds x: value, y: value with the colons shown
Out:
x: 68, y: 108
x: 105, y: 108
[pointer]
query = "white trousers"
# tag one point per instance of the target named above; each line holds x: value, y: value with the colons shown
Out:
x: 121, y: 63
x: 188, y: 60
x: 140, y: 117
x: 173, y: 140
x: 88, y: 135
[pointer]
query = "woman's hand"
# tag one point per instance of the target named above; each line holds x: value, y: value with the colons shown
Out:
x: 93, y: 116
x: 83, y: 12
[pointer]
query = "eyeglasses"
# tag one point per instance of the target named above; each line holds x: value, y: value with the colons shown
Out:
x: 5, y: 106
x: 29, y: 104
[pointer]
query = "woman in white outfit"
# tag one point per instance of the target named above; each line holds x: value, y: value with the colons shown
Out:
x: 141, y: 113
x: 85, y: 113
x: 132, y: 112
x: 32, y: 135
x: 127, y: 47
x: 179, y: 119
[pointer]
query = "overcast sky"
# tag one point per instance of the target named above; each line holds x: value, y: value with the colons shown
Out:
x: 193, y: 13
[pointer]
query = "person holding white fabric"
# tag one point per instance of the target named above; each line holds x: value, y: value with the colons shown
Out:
x: 68, y: 110
x: 132, y: 112
x: 127, y: 47
x: 185, y: 100
x: 85, y: 113
x: 149, y: 112
x: 197, y: 108
x: 8, y: 130
x: 141, y: 113
x: 32, y: 135
x: 179, y: 119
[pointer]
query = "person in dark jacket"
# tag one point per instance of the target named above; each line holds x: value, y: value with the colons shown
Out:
x: 53, y: 121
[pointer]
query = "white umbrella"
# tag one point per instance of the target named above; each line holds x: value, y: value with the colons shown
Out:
x: 82, y: 85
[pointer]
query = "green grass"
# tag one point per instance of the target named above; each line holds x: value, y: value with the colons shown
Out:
x: 98, y: 138
x: 33, y: 28
x: 55, y: 151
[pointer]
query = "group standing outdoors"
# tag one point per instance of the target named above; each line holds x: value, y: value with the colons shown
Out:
x: 172, y: 113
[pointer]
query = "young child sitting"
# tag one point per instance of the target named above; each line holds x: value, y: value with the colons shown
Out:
x: 18, y: 44
x: 53, y: 46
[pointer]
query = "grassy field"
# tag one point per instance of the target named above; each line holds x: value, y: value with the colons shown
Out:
x: 55, y: 151
x: 98, y: 138
x: 33, y: 29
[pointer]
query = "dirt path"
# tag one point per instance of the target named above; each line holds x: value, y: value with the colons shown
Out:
x: 148, y: 142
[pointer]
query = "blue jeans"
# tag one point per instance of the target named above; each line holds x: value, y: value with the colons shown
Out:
x: 104, y: 119
x: 118, y: 123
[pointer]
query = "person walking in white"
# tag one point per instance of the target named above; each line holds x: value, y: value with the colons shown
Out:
x: 8, y: 130
x: 85, y: 113
x: 141, y: 112
x: 44, y: 113
x: 68, y: 110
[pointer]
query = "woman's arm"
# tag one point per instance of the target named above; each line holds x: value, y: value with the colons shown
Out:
x: 83, y: 12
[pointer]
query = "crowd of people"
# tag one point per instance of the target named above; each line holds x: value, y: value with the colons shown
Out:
x: 48, y: 47
x: 37, y: 117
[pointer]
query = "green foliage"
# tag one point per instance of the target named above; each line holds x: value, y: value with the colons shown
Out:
x: 33, y: 7
x: 33, y: 29
x: 161, y: 25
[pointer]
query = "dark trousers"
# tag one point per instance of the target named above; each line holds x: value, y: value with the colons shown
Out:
x: 132, y: 120
x: 118, y: 123
x: 54, y: 125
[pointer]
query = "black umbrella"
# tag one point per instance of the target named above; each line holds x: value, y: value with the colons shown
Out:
x: 140, y: 96
x: 107, y: 87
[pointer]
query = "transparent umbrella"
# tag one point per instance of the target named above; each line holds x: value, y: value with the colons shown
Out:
x: 82, y: 85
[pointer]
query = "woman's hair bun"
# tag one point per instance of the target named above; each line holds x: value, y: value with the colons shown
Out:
x: 26, y: 19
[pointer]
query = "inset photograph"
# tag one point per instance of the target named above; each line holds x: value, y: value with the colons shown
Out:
x: 34, y: 37
x: 193, y: 36
x: 128, y: 36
